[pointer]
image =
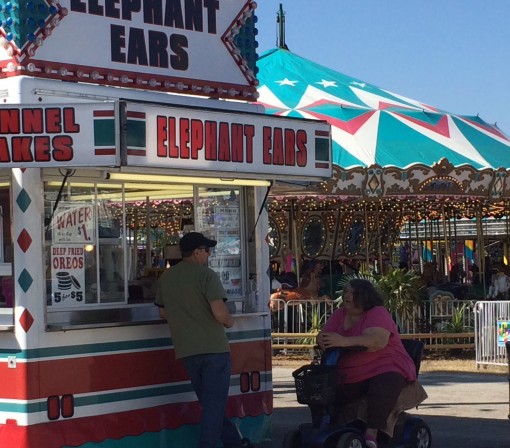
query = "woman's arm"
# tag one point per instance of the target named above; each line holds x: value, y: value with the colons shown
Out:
x: 374, y: 338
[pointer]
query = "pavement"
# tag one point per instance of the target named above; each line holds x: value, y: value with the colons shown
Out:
x: 462, y: 410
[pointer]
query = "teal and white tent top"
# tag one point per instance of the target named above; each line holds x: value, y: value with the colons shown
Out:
x: 371, y: 125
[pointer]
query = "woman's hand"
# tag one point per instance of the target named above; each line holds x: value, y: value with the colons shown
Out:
x: 331, y: 340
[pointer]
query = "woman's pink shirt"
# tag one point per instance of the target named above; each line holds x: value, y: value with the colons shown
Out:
x: 356, y: 366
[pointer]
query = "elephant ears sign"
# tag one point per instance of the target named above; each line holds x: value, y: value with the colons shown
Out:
x: 198, y: 47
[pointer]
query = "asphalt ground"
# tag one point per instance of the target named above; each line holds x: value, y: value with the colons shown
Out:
x: 462, y: 409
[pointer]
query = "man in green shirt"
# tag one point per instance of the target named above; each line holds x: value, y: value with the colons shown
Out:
x: 192, y: 299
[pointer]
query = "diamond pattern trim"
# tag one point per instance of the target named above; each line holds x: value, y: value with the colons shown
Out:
x: 25, y: 280
x: 26, y: 320
x: 24, y: 240
x: 23, y: 200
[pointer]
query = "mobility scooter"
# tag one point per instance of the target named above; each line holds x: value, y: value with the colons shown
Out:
x: 316, y: 386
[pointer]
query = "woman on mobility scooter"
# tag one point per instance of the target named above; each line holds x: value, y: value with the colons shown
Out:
x: 380, y: 372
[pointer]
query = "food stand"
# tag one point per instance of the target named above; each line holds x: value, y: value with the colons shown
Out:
x: 98, y: 149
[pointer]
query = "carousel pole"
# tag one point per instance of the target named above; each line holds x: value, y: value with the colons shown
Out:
x: 440, y: 264
x: 420, y: 249
x: 379, y: 239
x: 506, y: 260
x: 148, y: 245
x: 447, y: 249
x: 481, y: 248
x: 295, y: 245
x: 409, y: 231
x: 425, y: 241
x: 431, y: 232
x: 367, y: 243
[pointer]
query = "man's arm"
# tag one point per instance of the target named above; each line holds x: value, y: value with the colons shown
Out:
x: 221, y: 313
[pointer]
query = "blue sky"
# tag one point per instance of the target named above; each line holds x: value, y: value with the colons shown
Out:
x: 451, y: 54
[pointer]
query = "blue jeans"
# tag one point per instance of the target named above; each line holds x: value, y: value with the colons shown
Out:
x: 210, y: 377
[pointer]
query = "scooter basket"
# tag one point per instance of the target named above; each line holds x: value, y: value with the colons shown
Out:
x: 315, y: 384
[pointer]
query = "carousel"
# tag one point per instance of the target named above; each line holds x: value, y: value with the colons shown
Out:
x: 412, y: 185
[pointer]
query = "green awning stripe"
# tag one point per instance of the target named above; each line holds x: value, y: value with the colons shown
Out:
x: 91, y: 349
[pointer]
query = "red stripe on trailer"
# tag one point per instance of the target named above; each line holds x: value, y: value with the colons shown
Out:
x: 75, y: 432
x: 33, y: 380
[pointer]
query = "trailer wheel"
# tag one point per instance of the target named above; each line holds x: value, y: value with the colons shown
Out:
x: 420, y: 436
x: 350, y: 440
x: 292, y: 439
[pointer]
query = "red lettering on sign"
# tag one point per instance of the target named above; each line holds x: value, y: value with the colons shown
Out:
x: 284, y: 147
x: 5, y: 154
x: 197, y: 138
x: 70, y: 125
x: 266, y: 145
x: 9, y: 121
x: 278, y: 158
x: 237, y: 142
x: 33, y: 122
x: 302, y: 152
x: 224, y: 143
x: 42, y: 149
x: 63, y: 148
x: 161, y: 137
x: 21, y: 149
x: 68, y: 263
x: 74, y: 217
x: 290, y: 144
x: 173, y: 150
x: 184, y: 137
x: 211, y: 139
x: 53, y: 121
x: 249, y: 132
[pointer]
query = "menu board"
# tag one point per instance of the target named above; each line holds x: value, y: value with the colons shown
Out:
x: 223, y: 224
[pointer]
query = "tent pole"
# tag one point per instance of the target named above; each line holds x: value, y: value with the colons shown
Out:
x: 280, y: 19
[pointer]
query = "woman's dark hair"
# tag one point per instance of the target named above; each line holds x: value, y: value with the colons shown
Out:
x: 364, y: 294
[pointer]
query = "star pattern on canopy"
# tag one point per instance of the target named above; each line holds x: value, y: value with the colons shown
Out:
x: 324, y: 83
x: 286, y: 82
x: 371, y: 125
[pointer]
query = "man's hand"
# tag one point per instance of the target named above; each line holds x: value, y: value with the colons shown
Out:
x: 221, y: 313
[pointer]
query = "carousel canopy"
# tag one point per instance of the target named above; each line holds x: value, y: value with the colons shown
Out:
x: 371, y: 125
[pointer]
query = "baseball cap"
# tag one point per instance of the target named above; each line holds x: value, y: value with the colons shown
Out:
x: 194, y: 240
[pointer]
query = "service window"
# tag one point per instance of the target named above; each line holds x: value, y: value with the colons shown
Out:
x: 84, y: 245
x: 106, y: 245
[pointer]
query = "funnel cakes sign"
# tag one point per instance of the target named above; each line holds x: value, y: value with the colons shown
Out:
x: 200, y: 47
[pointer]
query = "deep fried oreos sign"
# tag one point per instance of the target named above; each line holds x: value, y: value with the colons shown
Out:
x: 185, y: 46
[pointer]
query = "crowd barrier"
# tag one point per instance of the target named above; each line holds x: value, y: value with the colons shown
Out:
x: 492, y: 331
x: 441, y: 322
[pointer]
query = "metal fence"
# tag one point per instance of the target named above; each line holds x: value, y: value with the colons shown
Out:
x: 296, y: 322
x: 492, y: 319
